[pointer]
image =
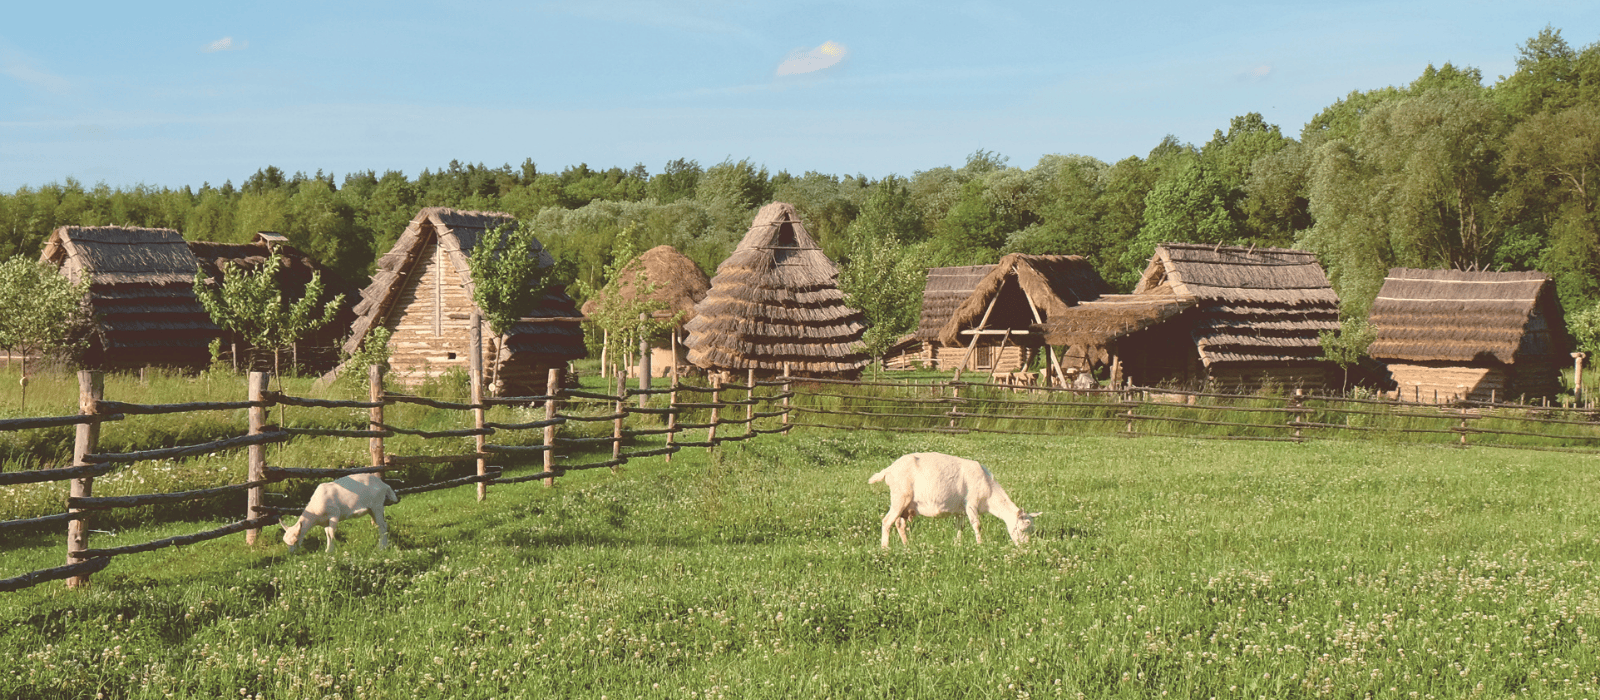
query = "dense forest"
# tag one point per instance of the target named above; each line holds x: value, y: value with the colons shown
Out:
x: 1447, y: 171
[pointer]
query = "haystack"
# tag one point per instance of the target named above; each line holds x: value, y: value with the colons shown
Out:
x: 1470, y: 334
x: 141, y: 291
x: 1230, y: 317
x: 422, y: 292
x: 776, y: 301
x: 677, y: 282
x: 990, y: 330
x: 319, y: 351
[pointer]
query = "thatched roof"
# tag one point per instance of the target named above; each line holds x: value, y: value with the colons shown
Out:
x: 1462, y: 316
x: 776, y: 300
x: 457, y: 233
x: 947, y: 289
x: 141, y: 290
x: 1254, y: 304
x: 1054, y: 283
x: 678, y: 282
x: 1094, y: 325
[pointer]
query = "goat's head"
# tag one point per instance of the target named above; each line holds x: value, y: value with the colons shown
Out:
x: 1022, y: 527
x: 291, y: 534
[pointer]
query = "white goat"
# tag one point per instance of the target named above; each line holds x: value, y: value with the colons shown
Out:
x: 931, y: 484
x: 348, y: 497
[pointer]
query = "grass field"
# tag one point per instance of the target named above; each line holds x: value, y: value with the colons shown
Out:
x: 1161, y: 567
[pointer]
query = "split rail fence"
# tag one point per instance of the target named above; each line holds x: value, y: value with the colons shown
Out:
x: 553, y: 456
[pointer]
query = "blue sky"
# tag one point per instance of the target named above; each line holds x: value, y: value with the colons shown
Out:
x: 124, y: 94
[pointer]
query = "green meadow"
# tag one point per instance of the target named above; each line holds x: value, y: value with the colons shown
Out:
x: 1161, y: 567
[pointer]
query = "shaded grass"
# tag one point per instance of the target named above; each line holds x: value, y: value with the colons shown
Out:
x: 1183, y: 567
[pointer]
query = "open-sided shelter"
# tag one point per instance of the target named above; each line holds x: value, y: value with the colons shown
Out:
x: 422, y: 292
x: 674, y: 280
x: 991, y: 329
x: 1228, y: 317
x: 774, y: 302
x: 141, y: 292
x: 1470, y: 334
x: 318, y: 351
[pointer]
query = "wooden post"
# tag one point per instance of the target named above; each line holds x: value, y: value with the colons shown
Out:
x: 551, y: 387
x: 955, y: 400
x: 716, y: 397
x: 750, y: 409
x: 1577, y: 377
x: 91, y: 388
x: 1116, y: 370
x: 644, y: 365
x: 375, y: 414
x: 672, y: 398
x: 1297, y: 401
x: 982, y: 324
x: 605, y: 351
x: 257, y: 459
x: 787, y: 389
x: 475, y: 375
x: 616, y: 425
x: 1057, y: 365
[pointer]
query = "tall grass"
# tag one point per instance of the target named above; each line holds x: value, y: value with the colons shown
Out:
x: 1162, y: 567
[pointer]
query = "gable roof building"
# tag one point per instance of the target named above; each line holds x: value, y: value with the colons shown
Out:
x: 776, y: 301
x: 1013, y: 295
x: 422, y: 292
x: 141, y: 292
x: 1470, y: 334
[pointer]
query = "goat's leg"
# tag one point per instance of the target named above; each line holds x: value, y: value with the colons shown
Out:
x: 331, y: 530
x: 897, y: 507
x: 972, y: 517
x: 383, y: 527
x: 957, y: 522
x: 901, y: 524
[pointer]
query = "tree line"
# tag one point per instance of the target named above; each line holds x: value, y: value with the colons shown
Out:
x: 1447, y: 171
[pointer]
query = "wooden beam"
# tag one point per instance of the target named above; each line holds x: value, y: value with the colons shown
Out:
x: 1007, y: 331
x: 982, y: 324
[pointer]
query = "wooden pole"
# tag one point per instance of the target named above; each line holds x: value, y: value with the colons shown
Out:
x: 1057, y: 365
x: 644, y: 365
x: 605, y: 351
x: 716, y: 396
x: 1116, y: 370
x: 475, y: 375
x: 91, y: 388
x: 1577, y: 377
x: 616, y: 425
x: 375, y: 415
x: 672, y: 398
x: 257, y: 454
x: 786, y: 391
x: 551, y: 387
x: 982, y: 324
x: 955, y: 400
x: 750, y: 408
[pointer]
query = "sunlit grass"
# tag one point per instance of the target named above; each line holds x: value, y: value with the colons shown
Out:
x: 1161, y: 566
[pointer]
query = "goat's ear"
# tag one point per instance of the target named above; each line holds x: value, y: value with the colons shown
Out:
x: 1034, y: 515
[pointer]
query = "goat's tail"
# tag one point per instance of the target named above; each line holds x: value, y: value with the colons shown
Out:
x: 880, y: 476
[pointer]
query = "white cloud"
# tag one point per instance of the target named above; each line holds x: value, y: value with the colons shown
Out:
x: 1258, y: 73
x: 812, y: 60
x: 20, y: 67
x: 224, y: 44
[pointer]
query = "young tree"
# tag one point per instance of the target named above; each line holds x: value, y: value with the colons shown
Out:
x: 43, y: 311
x: 250, y: 305
x: 626, y: 321
x: 509, y: 277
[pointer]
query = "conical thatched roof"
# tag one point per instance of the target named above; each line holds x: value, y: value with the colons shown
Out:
x: 678, y: 282
x: 1467, y: 317
x: 947, y: 289
x: 1253, y: 304
x: 776, y: 300
x: 319, y: 351
x: 1053, y: 283
x: 141, y: 291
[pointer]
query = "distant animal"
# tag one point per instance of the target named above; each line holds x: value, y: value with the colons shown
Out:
x: 931, y: 484
x: 348, y: 497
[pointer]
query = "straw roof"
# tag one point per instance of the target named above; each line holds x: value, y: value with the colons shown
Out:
x: 1054, y: 283
x: 947, y: 289
x: 776, y: 300
x: 1462, y: 316
x: 141, y: 291
x: 1094, y: 325
x: 678, y: 282
x: 551, y: 329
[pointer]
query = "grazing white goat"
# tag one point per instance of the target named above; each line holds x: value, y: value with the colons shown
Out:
x: 931, y: 484
x: 348, y: 497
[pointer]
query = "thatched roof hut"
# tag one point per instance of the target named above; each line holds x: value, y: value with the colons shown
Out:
x: 320, y: 350
x: 946, y: 290
x: 1233, y: 317
x: 679, y: 284
x: 1015, y: 294
x: 422, y: 292
x: 141, y: 291
x: 1473, y: 334
x: 776, y: 301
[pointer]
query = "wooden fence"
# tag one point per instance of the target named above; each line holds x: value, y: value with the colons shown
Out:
x: 554, y: 456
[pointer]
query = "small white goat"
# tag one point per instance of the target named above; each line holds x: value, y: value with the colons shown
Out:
x: 348, y: 497
x: 931, y: 484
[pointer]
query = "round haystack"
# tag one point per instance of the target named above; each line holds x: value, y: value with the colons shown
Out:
x: 678, y: 282
x: 776, y: 301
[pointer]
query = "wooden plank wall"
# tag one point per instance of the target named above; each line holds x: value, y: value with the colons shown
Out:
x: 432, y: 322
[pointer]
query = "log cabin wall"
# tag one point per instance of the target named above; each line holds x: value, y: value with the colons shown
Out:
x: 1420, y: 381
x: 988, y: 356
x: 1250, y: 377
x: 432, y: 322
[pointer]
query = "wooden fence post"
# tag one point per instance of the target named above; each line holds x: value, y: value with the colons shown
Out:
x: 1128, y: 397
x: 1463, y: 405
x: 551, y: 387
x: 1297, y: 401
x: 475, y: 376
x: 616, y: 427
x: 644, y: 366
x: 716, y: 396
x: 787, y: 389
x: 375, y: 415
x: 955, y: 400
x: 672, y: 398
x: 257, y: 454
x: 750, y: 409
x: 91, y: 388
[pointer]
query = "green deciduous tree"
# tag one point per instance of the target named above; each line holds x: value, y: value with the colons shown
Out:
x: 627, y: 320
x: 250, y: 304
x: 509, y: 277
x: 44, y: 312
